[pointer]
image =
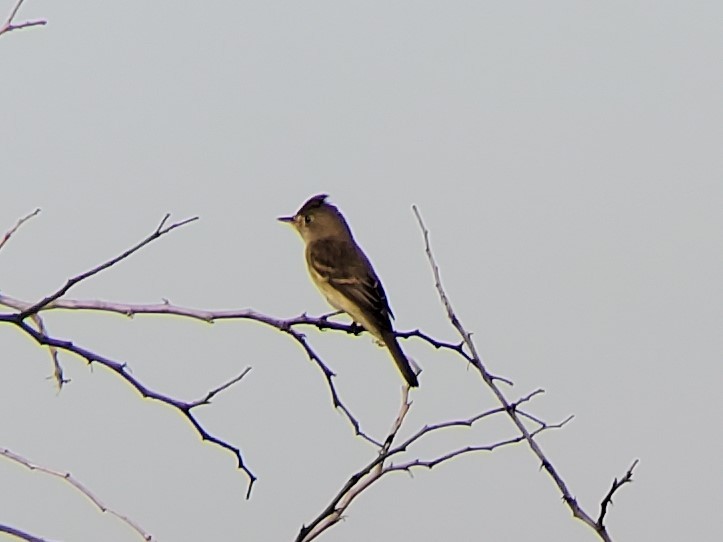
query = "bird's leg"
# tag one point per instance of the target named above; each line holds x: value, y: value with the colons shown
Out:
x: 354, y: 328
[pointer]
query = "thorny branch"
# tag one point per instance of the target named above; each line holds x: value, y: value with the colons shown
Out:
x: 380, y: 466
x: 285, y: 325
x: 184, y: 407
x: 608, y: 499
x: 67, y: 477
x: 514, y: 415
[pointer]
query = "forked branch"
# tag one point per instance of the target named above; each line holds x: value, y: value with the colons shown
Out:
x: 9, y: 25
x: 515, y: 416
x: 381, y: 465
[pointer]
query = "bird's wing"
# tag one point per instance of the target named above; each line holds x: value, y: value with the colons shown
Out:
x: 347, y: 269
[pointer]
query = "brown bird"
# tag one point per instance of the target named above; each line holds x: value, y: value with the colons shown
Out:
x: 342, y: 272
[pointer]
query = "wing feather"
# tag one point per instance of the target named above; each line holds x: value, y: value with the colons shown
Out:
x: 345, y: 267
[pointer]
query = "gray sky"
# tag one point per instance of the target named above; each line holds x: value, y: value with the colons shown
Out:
x: 566, y: 158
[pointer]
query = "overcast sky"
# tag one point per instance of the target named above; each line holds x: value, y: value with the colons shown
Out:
x: 566, y: 157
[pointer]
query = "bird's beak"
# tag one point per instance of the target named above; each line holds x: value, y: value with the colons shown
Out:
x: 287, y: 219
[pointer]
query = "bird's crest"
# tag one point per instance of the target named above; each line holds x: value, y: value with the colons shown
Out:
x: 313, y: 203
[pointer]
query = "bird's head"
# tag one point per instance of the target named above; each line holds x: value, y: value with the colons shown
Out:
x: 317, y: 219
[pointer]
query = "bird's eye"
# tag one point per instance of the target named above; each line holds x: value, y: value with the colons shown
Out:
x: 308, y: 219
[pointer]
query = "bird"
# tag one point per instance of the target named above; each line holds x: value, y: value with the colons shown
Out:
x: 343, y: 274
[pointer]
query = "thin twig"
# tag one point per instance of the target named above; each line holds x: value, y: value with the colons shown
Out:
x: 161, y: 230
x: 67, y: 477
x: 456, y: 347
x: 329, y: 377
x: 608, y: 499
x: 57, y: 368
x: 466, y: 422
x: 8, y: 25
x: 211, y: 394
x: 431, y: 463
x: 20, y: 222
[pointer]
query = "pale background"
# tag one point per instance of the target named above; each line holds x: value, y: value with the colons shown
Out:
x: 566, y: 157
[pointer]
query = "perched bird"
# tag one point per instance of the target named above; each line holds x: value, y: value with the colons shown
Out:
x: 342, y: 272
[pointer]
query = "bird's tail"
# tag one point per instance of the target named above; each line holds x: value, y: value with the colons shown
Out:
x: 399, y: 358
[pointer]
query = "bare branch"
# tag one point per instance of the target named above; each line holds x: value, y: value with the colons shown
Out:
x: 8, y: 25
x: 160, y: 231
x: 122, y: 370
x: 377, y: 468
x: 20, y: 222
x: 211, y: 394
x: 478, y: 363
x: 608, y: 499
x: 67, y: 477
